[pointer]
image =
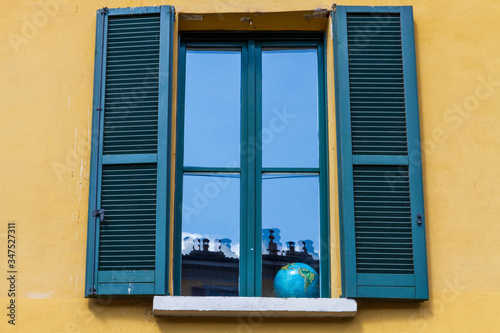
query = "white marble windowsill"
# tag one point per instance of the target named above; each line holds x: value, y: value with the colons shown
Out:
x: 190, y: 306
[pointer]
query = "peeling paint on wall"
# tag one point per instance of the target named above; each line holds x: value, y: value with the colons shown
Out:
x: 38, y: 295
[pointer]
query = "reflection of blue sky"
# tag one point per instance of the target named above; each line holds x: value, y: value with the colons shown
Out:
x: 290, y: 84
x: 212, y: 107
x: 292, y: 206
x: 212, y: 135
x: 211, y: 209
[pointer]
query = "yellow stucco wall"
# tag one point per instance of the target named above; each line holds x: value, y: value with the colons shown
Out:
x: 46, y: 71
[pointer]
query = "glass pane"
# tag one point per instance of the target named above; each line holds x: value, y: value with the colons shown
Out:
x: 210, y: 235
x: 290, y: 236
x: 290, y: 108
x: 212, y: 108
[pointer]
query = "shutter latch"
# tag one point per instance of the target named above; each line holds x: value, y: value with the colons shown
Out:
x: 98, y: 212
x: 419, y: 219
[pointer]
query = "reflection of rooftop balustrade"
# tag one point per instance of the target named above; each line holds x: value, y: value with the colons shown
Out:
x: 223, y: 246
x: 208, y: 272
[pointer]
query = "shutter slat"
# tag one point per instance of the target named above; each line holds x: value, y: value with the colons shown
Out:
x: 378, y: 67
x: 134, y: 180
x: 380, y: 181
x: 132, y: 74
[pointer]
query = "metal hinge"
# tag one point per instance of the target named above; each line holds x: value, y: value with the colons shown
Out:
x: 93, y: 291
x: 98, y: 212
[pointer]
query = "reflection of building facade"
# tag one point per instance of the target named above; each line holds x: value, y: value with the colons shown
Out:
x: 209, y: 273
x: 215, y: 273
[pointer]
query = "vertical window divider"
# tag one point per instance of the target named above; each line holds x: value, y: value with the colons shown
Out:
x: 179, y: 170
x: 258, y: 170
x: 249, y: 157
x: 245, y: 204
x: 323, y: 176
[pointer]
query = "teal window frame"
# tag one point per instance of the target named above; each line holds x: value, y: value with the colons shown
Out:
x: 251, y: 172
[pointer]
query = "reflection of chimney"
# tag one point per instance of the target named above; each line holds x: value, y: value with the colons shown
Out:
x: 273, y: 247
x: 197, y: 244
x: 206, y: 243
x: 291, y: 247
x: 304, y: 249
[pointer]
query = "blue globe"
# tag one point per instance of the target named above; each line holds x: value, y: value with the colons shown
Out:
x: 296, y: 280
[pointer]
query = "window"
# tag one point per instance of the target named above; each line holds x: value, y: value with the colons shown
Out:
x: 251, y: 181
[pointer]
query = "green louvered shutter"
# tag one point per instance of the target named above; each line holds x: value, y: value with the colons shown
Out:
x: 128, y: 201
x: 380, y: 171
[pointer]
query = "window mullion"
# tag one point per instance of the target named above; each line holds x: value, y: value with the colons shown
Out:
x: 324, y: 181
x: 258, y: 170
x: 245, y: 151
x: 248, y: 156
x: 179, y: 172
